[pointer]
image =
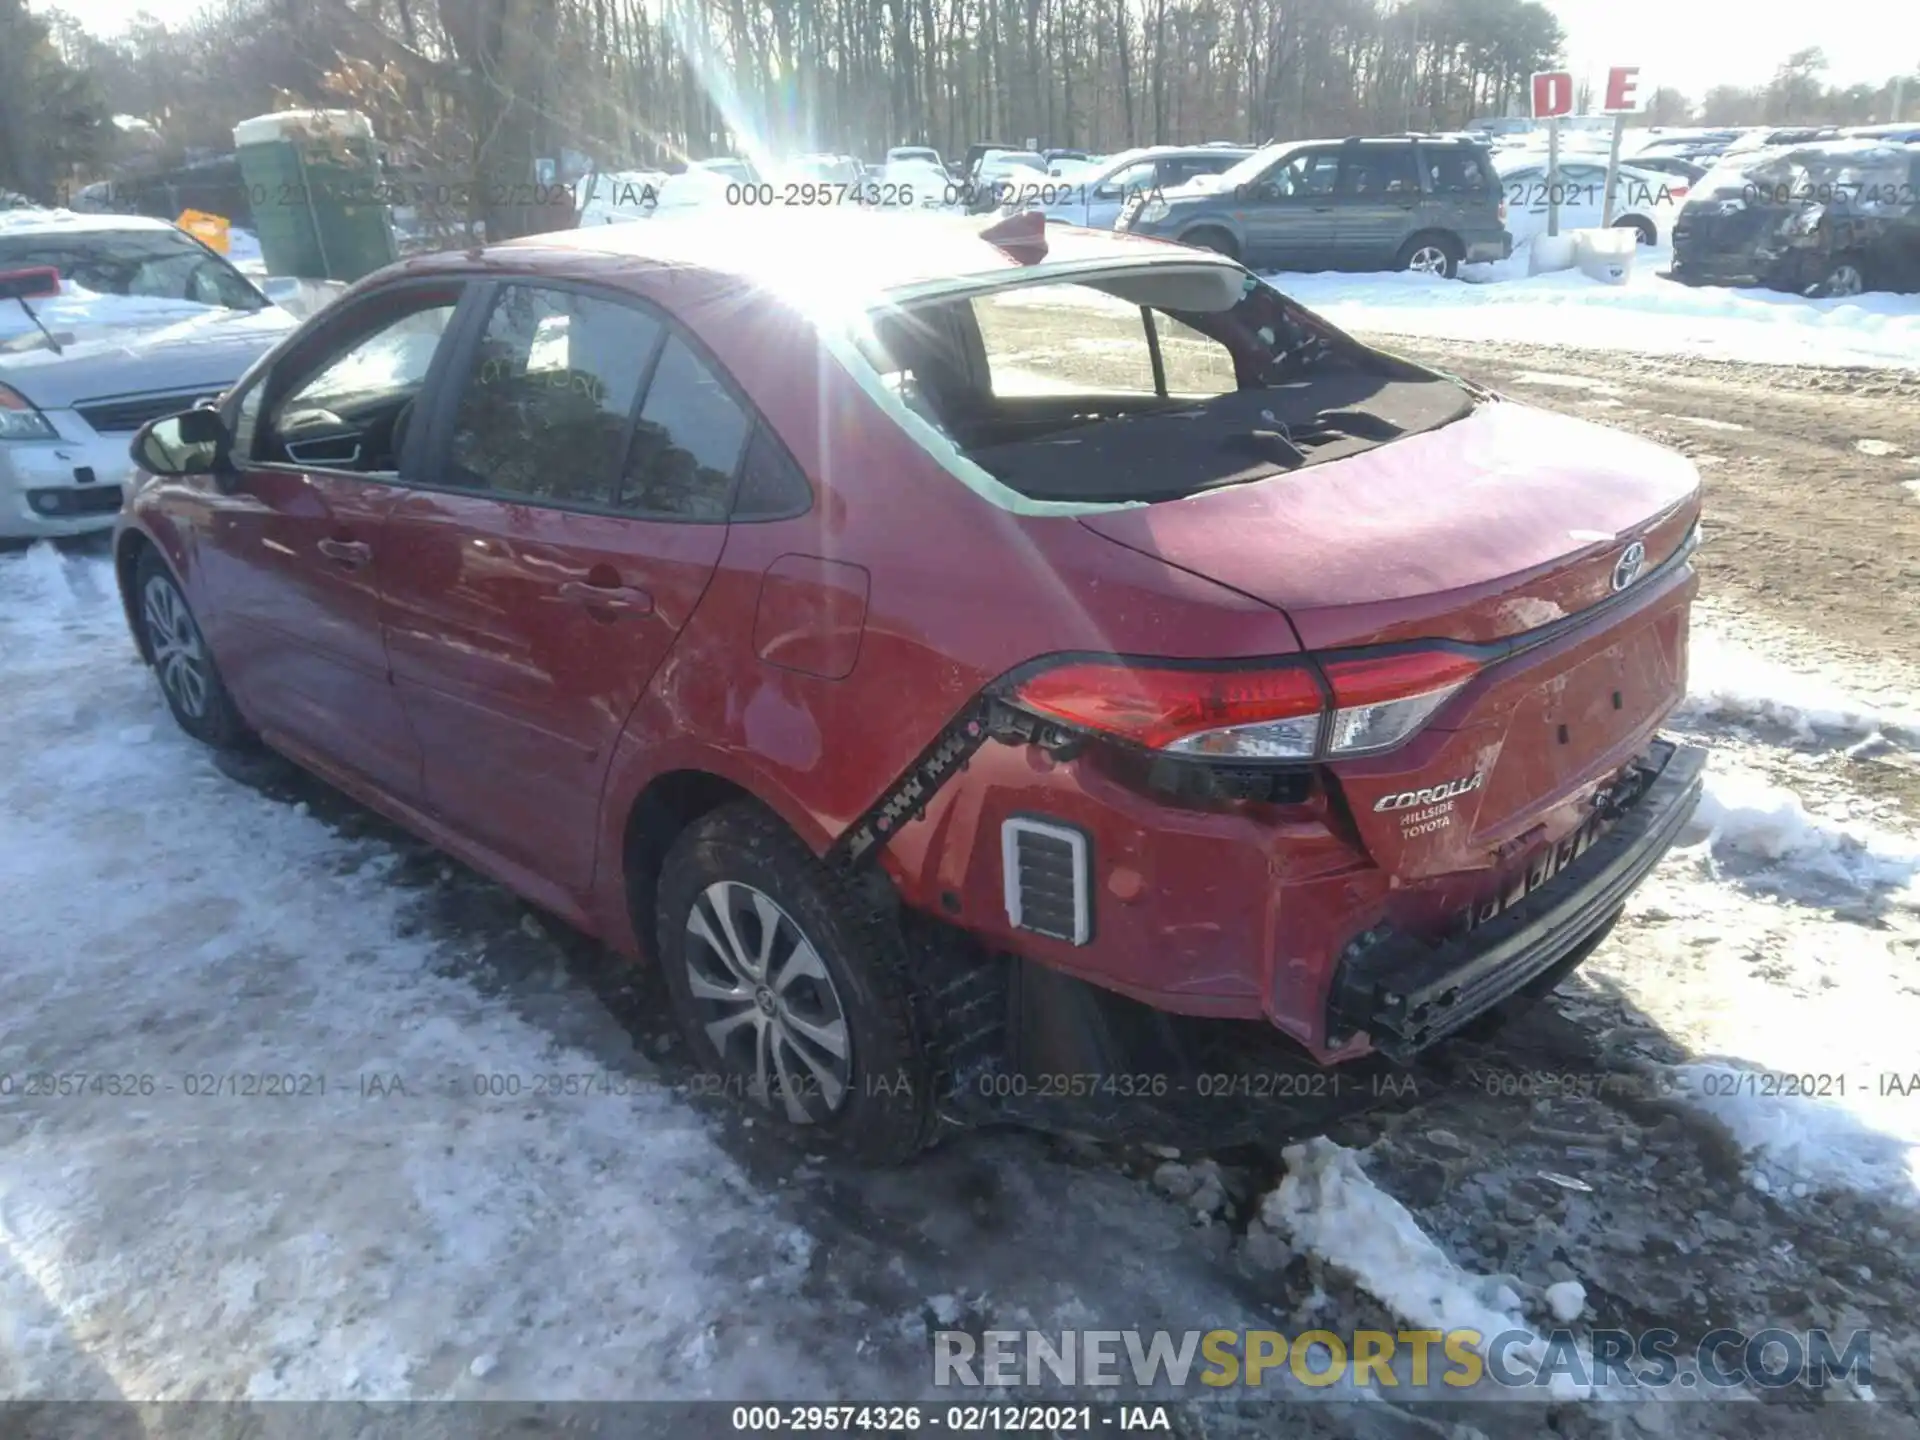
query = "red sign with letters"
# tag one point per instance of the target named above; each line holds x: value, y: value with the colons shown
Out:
x: 1552, y: 94
x: 1621, y: 84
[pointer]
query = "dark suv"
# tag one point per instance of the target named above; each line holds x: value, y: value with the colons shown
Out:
x: 1405, y: 203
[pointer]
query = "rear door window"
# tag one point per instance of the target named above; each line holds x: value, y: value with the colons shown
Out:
x: 1458, y: 171
x: 1375, y: 172
x: 687, y: 447
x: 545, y: 407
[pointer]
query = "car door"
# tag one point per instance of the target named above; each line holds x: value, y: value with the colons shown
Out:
x: 1583, y: 196
x: 1105, y: 201
x: 571, y: 513
x: 1526, y: 196
x: 1377, y: 204
x: 1288, y: 213
x: 294, y: 536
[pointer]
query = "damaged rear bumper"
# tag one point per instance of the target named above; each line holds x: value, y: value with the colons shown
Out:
x: 1407, y: 993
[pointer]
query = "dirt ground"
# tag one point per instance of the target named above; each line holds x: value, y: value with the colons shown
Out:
x: 1812, y: 475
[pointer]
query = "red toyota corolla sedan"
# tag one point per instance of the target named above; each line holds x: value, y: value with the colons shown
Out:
x: 983, y: 665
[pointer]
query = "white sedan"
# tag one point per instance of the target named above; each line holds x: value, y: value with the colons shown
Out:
x: 1646, y: 201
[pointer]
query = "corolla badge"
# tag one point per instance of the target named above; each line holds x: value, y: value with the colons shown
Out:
x: 1430, y: 794
x: 1627, y: 568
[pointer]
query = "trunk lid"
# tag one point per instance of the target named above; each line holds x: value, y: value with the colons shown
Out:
x: 1501, y: 522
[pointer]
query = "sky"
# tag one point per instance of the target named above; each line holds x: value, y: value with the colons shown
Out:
x: 1689, y: 44
x: 1694, y: 45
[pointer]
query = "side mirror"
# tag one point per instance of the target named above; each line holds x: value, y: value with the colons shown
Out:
x: 194, y: 442
x: 36, y: 282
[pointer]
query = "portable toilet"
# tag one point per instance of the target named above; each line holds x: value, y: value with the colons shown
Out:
x: 319, y: 200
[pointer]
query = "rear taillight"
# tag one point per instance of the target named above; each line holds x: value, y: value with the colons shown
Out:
x: 1677, y: 192
x: 1295, y: 710
x: 1503, y: 212
x: 1381, y: 700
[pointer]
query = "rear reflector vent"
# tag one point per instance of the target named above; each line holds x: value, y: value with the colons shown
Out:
x: 1045, y: 868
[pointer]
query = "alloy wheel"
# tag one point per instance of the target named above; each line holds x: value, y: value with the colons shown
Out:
x: 768, y: 1003
x: 1428, y: 260
x: 179, y: 655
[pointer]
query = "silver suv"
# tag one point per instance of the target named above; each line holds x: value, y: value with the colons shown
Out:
x: 1406, y: 202
x: 149, y: 321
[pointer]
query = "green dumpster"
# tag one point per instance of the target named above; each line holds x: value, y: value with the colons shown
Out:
x: 319, y: 202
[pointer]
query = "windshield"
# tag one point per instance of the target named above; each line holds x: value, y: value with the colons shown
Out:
x: 151, y: 264
x: 1026, y: 159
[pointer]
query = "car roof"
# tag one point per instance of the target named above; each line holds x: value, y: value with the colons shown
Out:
x: 863, y: 258
x: 54, y: 222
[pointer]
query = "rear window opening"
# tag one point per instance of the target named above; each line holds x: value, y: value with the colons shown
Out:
x: 1146, y: 385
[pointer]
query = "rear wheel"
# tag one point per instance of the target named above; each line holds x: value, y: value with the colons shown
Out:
x: 1211, y: 237
x: 1432, y: 254
x: 182, y: 662
x: 789, y: 983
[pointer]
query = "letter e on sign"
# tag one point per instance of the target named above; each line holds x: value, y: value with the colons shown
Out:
x: 1552, y: 94
x: 1620, y: 87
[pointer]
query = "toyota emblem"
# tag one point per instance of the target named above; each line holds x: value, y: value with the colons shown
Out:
x: 1626, y: 569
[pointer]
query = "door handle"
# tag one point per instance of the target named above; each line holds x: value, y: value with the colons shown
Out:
x: 623, y: 599
x: 351, y: 553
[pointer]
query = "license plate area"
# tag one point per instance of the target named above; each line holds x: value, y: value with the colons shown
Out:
x: 1541, y: 869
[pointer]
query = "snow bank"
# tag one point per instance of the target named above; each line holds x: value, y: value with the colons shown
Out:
x: 1649, y: 314
x: 1742, y: 814
x: 1731, y: 681
x: 1797, y: 1143
x: 1328, y: 1206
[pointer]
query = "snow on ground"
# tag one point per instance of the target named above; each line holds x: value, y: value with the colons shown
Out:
x: 1648, y: 314
x: 196, y: 1238
x: 1732, y: 680
x: 1821, y: 1019
x: 1328, y: 1206
x: 1746, y: 814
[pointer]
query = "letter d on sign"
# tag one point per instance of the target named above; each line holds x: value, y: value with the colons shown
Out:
x: 1552, y: 93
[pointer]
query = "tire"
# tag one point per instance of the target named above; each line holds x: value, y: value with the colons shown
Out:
x: 1845, y: 276
x: 1212, y: 237
x: 769, y: 1028
x: 1432, y: 253
x: 1642, y: 229
x: 182, y: 662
